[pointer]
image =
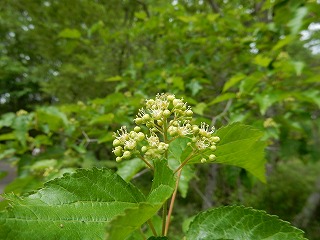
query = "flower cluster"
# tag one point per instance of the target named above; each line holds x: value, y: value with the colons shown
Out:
x: 166, y: 118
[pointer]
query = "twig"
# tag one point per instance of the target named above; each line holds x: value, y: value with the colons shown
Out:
x: 172, y: 203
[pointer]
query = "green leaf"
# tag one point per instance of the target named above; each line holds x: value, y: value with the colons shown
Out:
x: 133, y: 218
x: 128, y: 169
x: 241, y: 223
x: 233, y: 81
x: 102, y: 119
x: 163, y: 182
x: 7, y: 153
x: 199, y: 108
x: 239, y: 146
x: 283, y: 42
x: 222, y: 97
x: 157, y: 238
x: 22, y: 185
x: 262, y: 61
x: 51, y: 117
x: 298, y: 67
x: 114, y: 79
x: 79, y: 204
x: 296, y: 23
x: 268, y: 99
x: 178, y: 151
x: 7, y: 136
x: 70, y: 33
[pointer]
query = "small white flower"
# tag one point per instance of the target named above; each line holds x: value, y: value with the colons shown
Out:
x: 130, y: 144
x: 122, y: 134
x: 184, y: 129
x: 202, y: 144
x: 153, y: 140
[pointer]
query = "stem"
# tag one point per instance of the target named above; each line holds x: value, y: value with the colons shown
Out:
x: 185, y: 162
x: 152, y: 228
x: 164, y: 217
x: 142, y: 234
x: 146, y: 162
x: 172, y: 203
x: 165, y: 206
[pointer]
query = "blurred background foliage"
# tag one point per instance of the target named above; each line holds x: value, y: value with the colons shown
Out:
x: 73, y: 72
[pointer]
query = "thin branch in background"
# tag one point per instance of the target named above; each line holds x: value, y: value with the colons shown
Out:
x: 141, y: 173
x: 214, y: 6
x: 205, y: 200
x: 144, y: 6
x: 223, y: 113
x: 88, y: 140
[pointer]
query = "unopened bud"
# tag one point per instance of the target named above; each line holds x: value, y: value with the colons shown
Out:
x: 126, y: 155
x: 213, y: 147
x: 137, y: 129
x: 116, y: 143
x: 215, y: 139
x: 166, y: 113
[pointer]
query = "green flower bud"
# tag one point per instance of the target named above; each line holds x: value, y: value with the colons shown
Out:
x: 117, y: 151
x: 160, y: 123
x: 189, y: 112
x: 116, y: 143
x: 146, y: 117
x: 176, y: 102
x: 149, y: 124
x: 140, y: 136
x: 212, y: 157
x: 203, y: 160
x: 126, y: 155
x: 215, y: 139
x: 171, y: 97
x: 118, y: 159
x: 195, y: 128
x: 144, y: 149
x: 138, y: 121
x: 213, y: 147
x: 166, y: 113
x: 137, y: 129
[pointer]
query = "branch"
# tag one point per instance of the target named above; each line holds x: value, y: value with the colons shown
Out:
x: 303, y: 219
x: 214, y: 6
x: 144, y: 6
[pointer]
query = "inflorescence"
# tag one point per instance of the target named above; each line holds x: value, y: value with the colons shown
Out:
x: 166, y: 118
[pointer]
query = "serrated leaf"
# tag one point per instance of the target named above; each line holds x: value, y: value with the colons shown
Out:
x: 241, y: 223
x: 131, y: 220
x: 78, y: 204
x: 239, y: 146
x: 162, y: 188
